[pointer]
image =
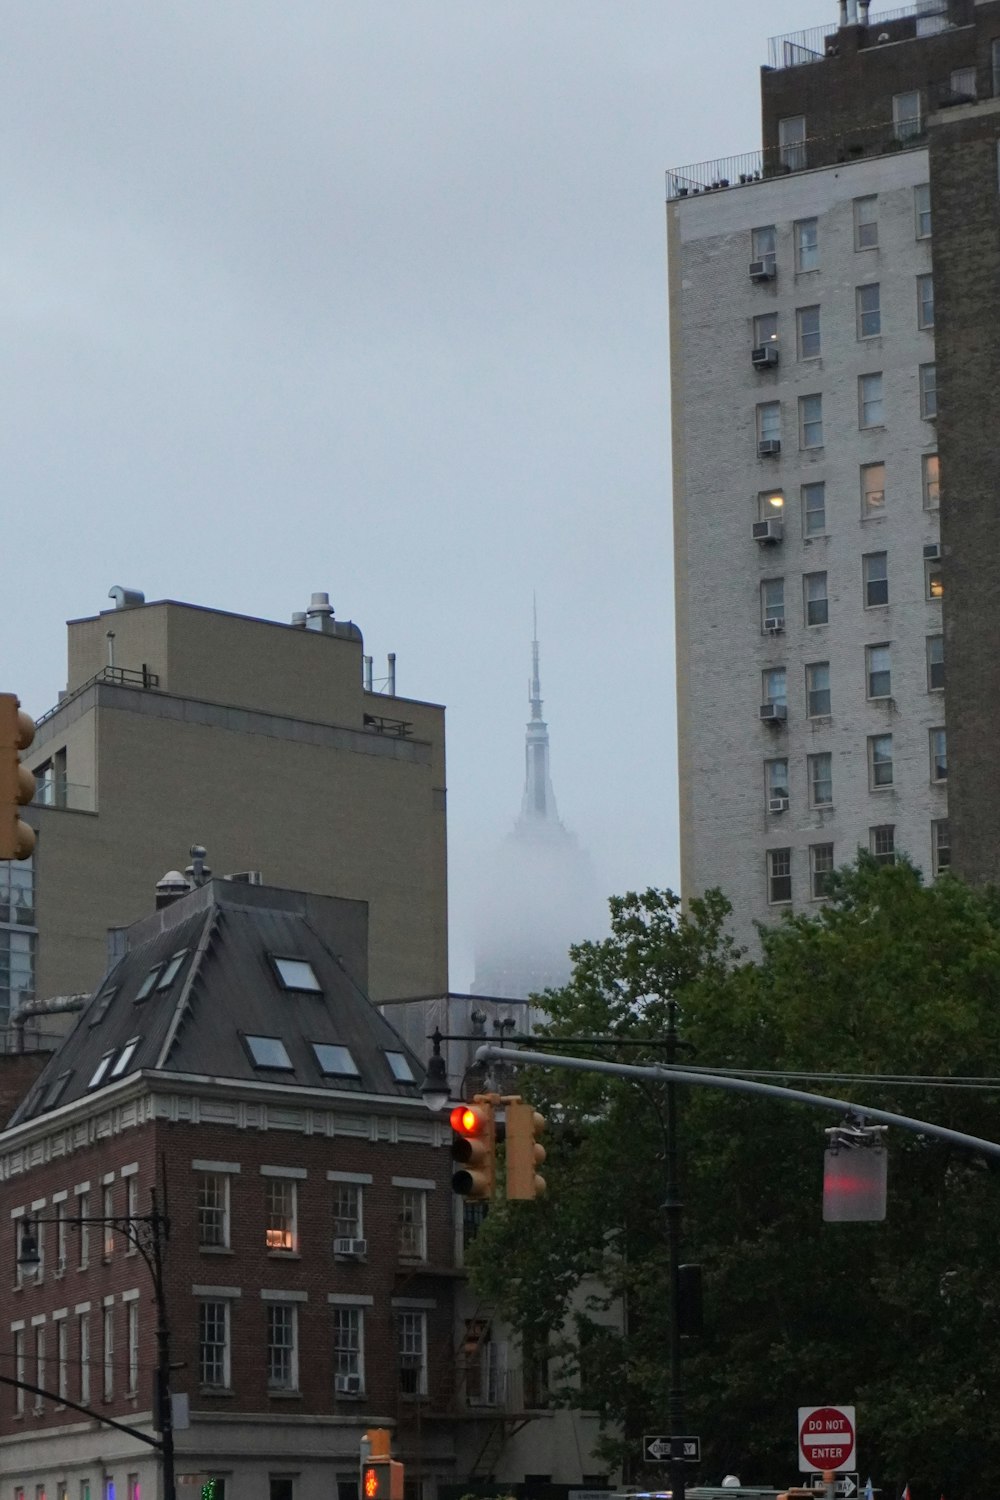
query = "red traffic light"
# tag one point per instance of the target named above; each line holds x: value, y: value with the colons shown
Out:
x: 473, y: 1145
x: 382, y: 1480
x: 466, y: 1119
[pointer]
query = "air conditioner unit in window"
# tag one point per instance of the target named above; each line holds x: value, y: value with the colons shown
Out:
x: 350, y: 1247
x: 348, y: 1385
x: 768, y: 447
x: 932, y: 552
x: 764, y: 356
x: 771, y: 530
x: 762, y: 270
x: 773, y: 625
x: 773, y: 713
x: 777, y: 804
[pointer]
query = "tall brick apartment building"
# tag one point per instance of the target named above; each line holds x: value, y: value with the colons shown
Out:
x: 835, y: 350
x: 232, y: 1060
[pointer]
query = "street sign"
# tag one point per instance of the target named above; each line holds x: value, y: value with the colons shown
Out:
x: 661, y: 1450
x: 845, y: 1485
x: 826, y: 1438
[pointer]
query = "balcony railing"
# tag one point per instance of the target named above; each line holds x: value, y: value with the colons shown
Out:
x: 810, y: 46
x: 139, y: 677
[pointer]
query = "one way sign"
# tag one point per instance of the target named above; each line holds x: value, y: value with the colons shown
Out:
x: 845, y: 1486
x: 661, y: 1450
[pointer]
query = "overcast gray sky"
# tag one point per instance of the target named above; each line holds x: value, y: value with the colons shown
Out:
x: 370, y: 297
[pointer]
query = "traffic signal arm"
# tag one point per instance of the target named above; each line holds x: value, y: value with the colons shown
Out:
x: 17, y: 784
x: 525, y: 1153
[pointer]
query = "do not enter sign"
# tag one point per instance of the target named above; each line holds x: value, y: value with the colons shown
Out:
x: 826, y: 1438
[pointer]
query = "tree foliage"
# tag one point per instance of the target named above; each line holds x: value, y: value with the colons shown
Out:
x: 901, y: 1319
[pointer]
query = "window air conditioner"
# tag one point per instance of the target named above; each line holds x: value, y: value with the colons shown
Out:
x: 763, y: 356
x: 777, y: 804
x: 771, y: 530
x: 768, y: 447
x: 773, y: 713
x: 773, y: 625
x: 932, y: 552
x: 348, y: 1385
x: 350, y: 1247
x: 762, y: 270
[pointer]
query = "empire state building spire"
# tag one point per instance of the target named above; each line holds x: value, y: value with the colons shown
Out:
x: 539, y: 802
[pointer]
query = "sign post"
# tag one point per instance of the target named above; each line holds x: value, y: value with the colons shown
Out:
x: 826, y: 1439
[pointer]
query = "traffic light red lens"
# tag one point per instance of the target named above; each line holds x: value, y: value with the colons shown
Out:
x: 371, y: 1484
x: 465, y: 1121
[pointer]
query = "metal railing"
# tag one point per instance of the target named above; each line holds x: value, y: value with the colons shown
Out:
x: 812, y: 45
x: 140, y: 677
x: 74, y: 796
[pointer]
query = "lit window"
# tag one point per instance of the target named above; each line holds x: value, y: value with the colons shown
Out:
x: 816, y: 602
x: 813, y: 509
x: 940, y: 845
x: 939, y: 755
x: 775, y: 689
x: 125, y: 1057
x: 282, y: 1347
x: 772, y: 603
x: 810, y: 421
x: 171, y: 970
x: 765, y: 328
x: 399, y: 1067
x: 933, y: 579
x: 879, y: 761
x: 281, y: 1205
x: 807, y: 245
x: 922, y: 210
x: 906, y: 116
x: 335, y: 1060
x: 792, y: 142
x: 878, y: 671
x: 807, y: 332
x: 869, y: 310
x: 872, y: 490
x: 776, y: 780
x: 928, y: 391
x: 779, y: 876
x: 821, y: 779
x: 875, y: 576
x: 935, y: 663
x: 99, y: 1072
x: 770, y: 505
x: 866, y: 223
x: 882, y: 843
x: 818, y: 689
x: 296, y: 974
x: 925, y: 301
x: 931, y: 476
x: 268, y: 1052
x: 870, y: 407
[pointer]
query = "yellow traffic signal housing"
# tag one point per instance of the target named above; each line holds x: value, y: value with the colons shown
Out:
x: 381, y: 1479
x: 474, y: 1146
x: 17, y: 784
x: 525, y: 1153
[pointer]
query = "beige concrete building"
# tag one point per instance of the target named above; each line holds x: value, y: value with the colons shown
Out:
x: 262, y: 741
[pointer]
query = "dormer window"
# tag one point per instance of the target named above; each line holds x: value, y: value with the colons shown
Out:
x: 268, y: 1052
x: 335, y: 1061
x: 399, y: 1067
x: 171, y: 970
x: 296, y: 974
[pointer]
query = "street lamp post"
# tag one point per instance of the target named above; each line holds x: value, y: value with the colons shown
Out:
x: 149, y: 1234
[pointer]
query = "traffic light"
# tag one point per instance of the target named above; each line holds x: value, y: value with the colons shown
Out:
x: 525, y: 1153
x: 474, y: 1145
x: 381, y: 1479
x: 17, y: 784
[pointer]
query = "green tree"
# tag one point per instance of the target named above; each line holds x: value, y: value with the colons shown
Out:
x: 900, y: 1318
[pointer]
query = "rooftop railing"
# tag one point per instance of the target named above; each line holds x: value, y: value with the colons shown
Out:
x: 140, y: 677
x: 812, y: 45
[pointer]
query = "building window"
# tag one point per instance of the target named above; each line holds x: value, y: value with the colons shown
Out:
x: 769, y: 422
x: 765, y: 328
x: 931, y: 479
x: 133, y: 1490
x: 412, y: 1330
x: 875, y: 576
x: 131, y: 1207
x: 20, y: 1370
x: 817, y: 604
x: 132, y: 1331
x: 906, y: 119
x: 347, y: 1211
x: 335, y: 1061
x: 776, y: 780
x: 282, y: 1347
x: 995, y: 61
x: 109, y: 1353
x: 792, y: 142
x: 268, y: 1052
x: 807, y: 332
x: 399, y: 1067
x: 878, y: 670
x: 17, y: 890
x: 17, y: 969
x: 280, y: 1207
x: 869, y: 310
x: 62, y: 1358
x: 214, y: 1370
x: 963, y: 85
x: 763, y: 245
x: 40, y: 1379
x: 933, y: 579
x: 413, y: 1224
x: 83, y: 1356
x: 818, y: 689
x: 807, y: 245
x: 107, y: 1212
x: 879, y: 762
x: 870, y: 407
x: 810, y: 421
x: 296, y: 974
x: 925, y: 301
x: 872, y: 490
x: 779, y: 876
x: 775, y: 689
x: 814, y: 509
x: 171, y: 970
x: 125, y: 1057
x: 770, y: 505
x: 922, y: 210
x: 935, y: 663
x: 281, y: 1487
x: 820, y: 870
x: 83, y: 1230
x: 866, y: 223
x: 928, y: 391
x: 772, y: 603
x: 940, y: 845
x: 939, y: 755
x: 348, y: 1348
x: 821, y: 779
x: 882, y: 843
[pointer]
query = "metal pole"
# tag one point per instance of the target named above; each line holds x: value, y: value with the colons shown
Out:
x: 165, y: 1413
x: 673, y: 1207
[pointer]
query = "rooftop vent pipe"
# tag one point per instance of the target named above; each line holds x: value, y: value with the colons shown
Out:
x: 126, y: 598
x: 319, y: 615
x: 170, y: 889
x: 299, y: 619
x: 863, y: 9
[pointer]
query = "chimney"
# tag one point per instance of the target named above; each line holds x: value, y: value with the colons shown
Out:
x: 170, y: 889
x: 863, y: 11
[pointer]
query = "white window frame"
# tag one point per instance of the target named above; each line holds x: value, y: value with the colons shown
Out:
x: 764, y: 244
x: 907, y: 115
x: 20, y: 1368
x: 925, y: 300
x: 806, y: 245
x: 928, y: 391
x: 775, y: 783
x: 872, y: 495
x: 868, y: 310
x: 772, y: 600
x: 779, y: 868
x: 814, y: 690
x: 770, y: 505
x: 870, y: 578
x: 62, y: 1358
x: 282, y: 1318
x: 344, y: 1194
x: 347, y: 1337
x: 808, y: 513
x: 281, y: 1203
x: 769, y: 678
x: 815, y: 599
x: 132, y: 1344
x: 871, y: 407
x: 83, y: 1355
x: 108, y: 1350
x: 872, y: 671
x: 820, y: 770
x: 811, y: 426
x: 922, y: 220
x: 808, y: 332
x: 937, y: 845
x: 866, y: 221
x: 768, y: 421
x: 937, y: 740
x: 412, y: 1224
x: 792, y: 142
x: 881, y: 766
x: 934, y: 659
x: 765, y: 328
x: 204, y: 1209
x: 821, y: 867
x: 411, y: 1336
x: 223, y: 1359
x: 884, y: 833
x: 930, y: 480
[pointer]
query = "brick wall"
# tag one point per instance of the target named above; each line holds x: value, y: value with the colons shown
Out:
x: 17, y: 1073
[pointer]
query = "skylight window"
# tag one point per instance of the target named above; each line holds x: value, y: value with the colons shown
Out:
x: 171, y: 970
x: 125, y: 1057
x: 335, y: 1061
x: 296, y: 974
x: 102, y: 1002
x: 399, y: 1067
x: 146, y: 987
x: 268, y: 1052
x: 100, y: 1070
x: 56, y: 1090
